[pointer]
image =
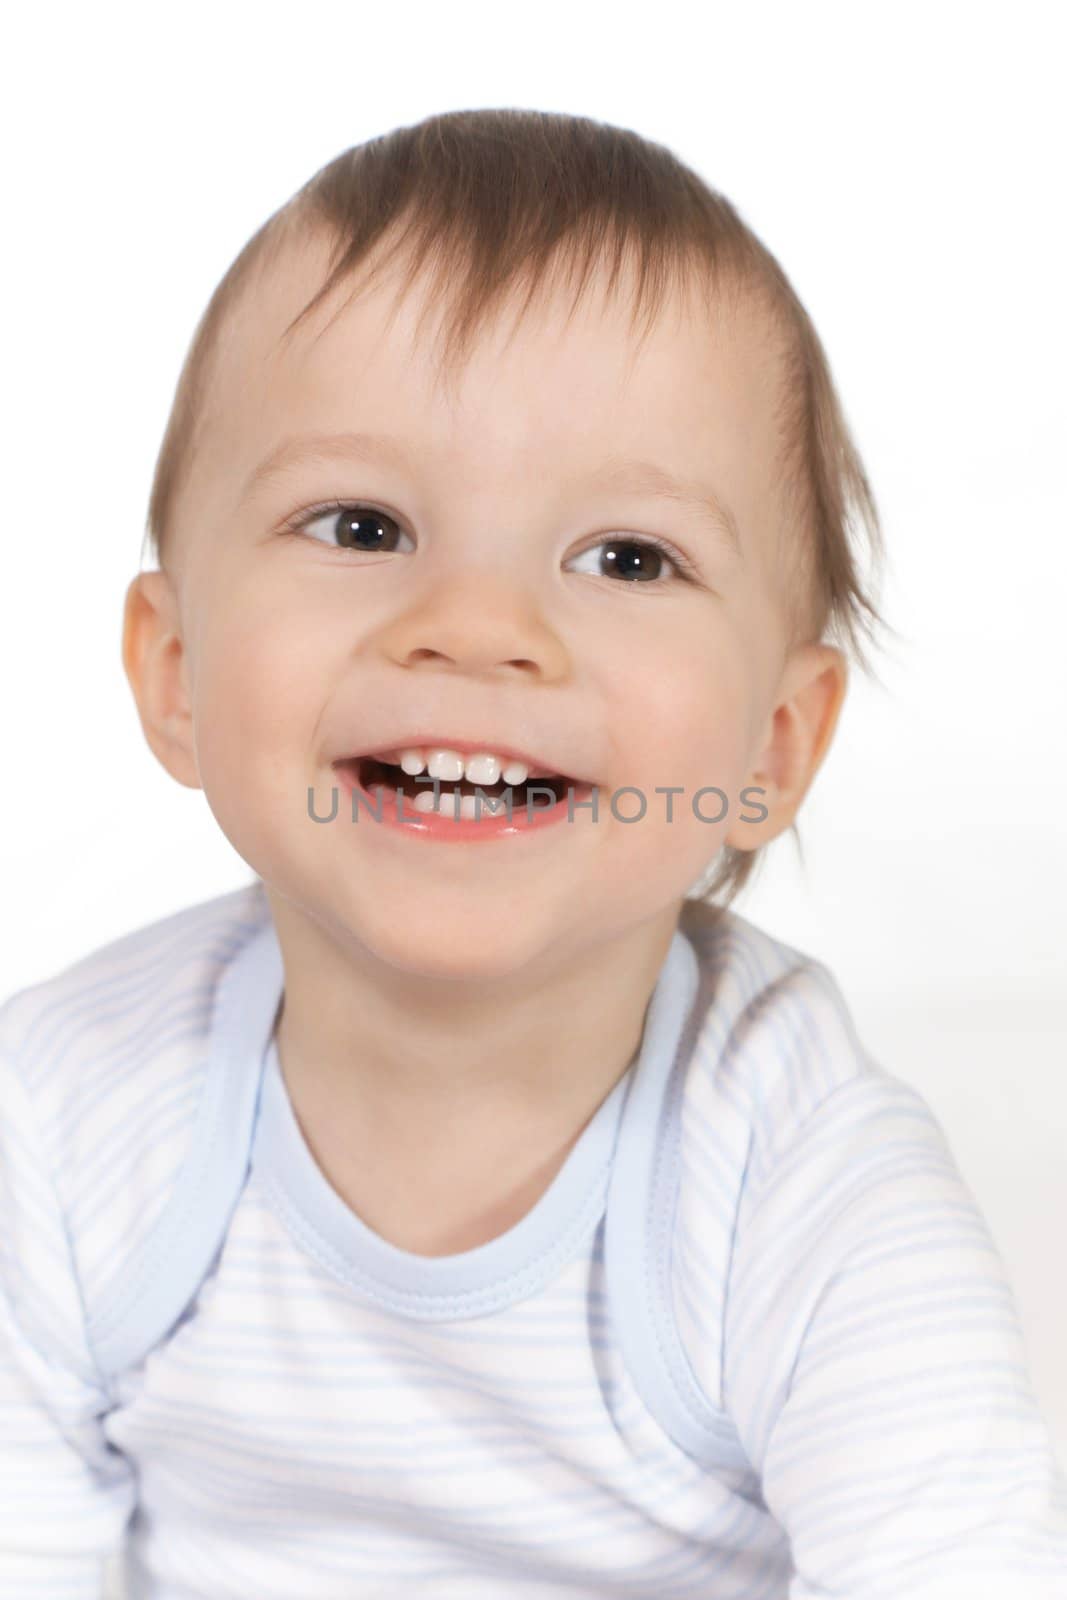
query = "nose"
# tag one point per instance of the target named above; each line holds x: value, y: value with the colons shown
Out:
x: 480, y: 625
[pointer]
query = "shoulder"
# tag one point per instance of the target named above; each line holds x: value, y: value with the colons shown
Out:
x: 106, y: 1058
x: 841, y: 1299
x: 106, y: 994
x: 777, y: 1096
x: 120, y: 996
x: 774, y: 1032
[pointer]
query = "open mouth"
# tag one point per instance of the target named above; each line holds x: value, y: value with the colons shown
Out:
x: 370, y: 771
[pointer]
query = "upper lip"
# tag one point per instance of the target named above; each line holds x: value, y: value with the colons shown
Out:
x: 536, y: 766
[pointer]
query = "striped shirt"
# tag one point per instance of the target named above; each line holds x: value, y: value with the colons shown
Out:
x: 753, y: 1342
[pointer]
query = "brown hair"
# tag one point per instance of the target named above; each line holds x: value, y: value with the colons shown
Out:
x: 496, y: 197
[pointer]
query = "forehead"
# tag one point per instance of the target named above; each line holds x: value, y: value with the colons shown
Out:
x: 549, y: 394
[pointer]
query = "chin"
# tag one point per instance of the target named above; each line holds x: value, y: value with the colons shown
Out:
x: 459, y: 950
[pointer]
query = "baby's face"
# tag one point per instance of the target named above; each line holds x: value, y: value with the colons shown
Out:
x: 492, y: 612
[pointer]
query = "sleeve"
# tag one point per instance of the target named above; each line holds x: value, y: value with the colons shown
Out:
x: 875, y: 1367
x: 65, y: 1493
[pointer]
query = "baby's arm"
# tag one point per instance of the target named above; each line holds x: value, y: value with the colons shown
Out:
x: 65, y: 1494
x: 876, y: 1368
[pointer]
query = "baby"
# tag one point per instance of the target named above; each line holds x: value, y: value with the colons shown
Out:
x: 473, y: 1204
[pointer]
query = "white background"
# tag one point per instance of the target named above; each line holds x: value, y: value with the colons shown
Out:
x: 904, y: 162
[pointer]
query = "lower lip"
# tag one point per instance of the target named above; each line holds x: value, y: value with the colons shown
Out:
x: 442, y: 825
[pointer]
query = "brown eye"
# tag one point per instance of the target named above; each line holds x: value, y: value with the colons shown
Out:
x: 635, y: 561
x: 629, y: 559
x: 352, y: 527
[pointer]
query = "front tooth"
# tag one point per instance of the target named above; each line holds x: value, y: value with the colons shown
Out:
x: 445, y: 764
x: 483, y: 768
x: 515, y: 773
x: 411, y: 762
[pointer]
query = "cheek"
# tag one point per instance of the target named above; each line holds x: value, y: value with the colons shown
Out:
x: 257, y: 694
x: 681, y: 713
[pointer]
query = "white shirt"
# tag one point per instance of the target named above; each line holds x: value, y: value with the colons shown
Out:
x: 754, y: 1341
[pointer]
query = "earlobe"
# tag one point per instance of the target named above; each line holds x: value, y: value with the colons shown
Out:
x: 798, y: 734
x: 153, y: 658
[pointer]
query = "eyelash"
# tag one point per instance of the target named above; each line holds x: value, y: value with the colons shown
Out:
x: 686, y: 571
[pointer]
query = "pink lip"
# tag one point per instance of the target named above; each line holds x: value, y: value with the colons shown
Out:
x: 464, y: 747
x: 444, y: 826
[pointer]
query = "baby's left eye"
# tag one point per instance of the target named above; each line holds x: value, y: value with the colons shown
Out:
x: 636, y: 560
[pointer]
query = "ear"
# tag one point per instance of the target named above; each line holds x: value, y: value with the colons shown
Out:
x: 797, y: 736
x: 154, y: 660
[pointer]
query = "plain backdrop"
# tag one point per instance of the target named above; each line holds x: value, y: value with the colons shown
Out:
x: 904, y: 162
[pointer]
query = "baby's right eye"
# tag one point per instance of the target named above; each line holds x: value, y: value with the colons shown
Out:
x: 353, y: 526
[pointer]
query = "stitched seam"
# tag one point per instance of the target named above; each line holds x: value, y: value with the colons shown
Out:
x: 470, y: 1301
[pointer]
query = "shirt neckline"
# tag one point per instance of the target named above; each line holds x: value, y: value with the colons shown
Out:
x: 508, y: 1268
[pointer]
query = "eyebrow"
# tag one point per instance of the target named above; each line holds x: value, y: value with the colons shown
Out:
x: 620, y: 473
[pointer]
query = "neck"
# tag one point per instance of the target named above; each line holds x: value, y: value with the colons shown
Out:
x: 425, y: 1058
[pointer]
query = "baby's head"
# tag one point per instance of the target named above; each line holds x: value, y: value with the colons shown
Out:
x: 504, y: 430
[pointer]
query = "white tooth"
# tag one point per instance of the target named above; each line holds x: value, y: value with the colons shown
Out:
x: 450, y: 766
x: 446, y: 764
x: 423, y: 801
x: 483, y: 768
x: 471, y: 807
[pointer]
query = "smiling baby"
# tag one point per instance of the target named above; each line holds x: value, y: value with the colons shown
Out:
x: 474, y: 1204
